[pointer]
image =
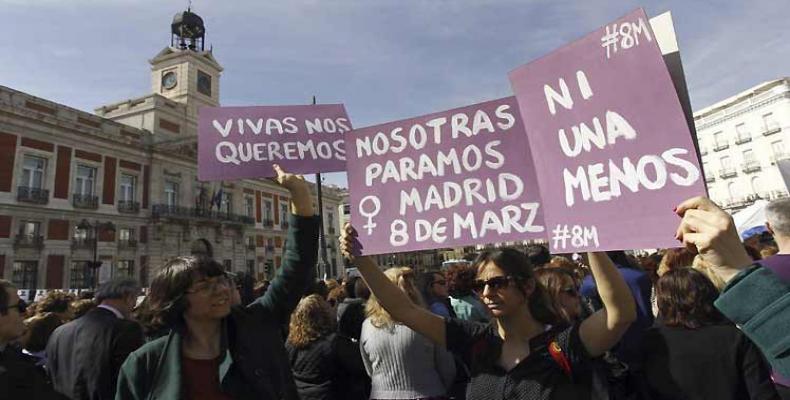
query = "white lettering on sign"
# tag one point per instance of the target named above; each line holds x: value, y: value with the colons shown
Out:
x: 624, y: 36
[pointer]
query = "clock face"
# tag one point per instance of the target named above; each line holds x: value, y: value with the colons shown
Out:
x: 169, y: 80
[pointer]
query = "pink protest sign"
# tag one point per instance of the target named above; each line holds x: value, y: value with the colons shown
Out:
x: 244, y: 142
x: 452, y: 178
x: 613, y: 153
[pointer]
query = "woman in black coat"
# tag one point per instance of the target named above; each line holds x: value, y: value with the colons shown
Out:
x: 693, y: 352
x: 326, y: 366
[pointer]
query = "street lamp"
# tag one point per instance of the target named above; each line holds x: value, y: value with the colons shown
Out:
x: 95, y: 264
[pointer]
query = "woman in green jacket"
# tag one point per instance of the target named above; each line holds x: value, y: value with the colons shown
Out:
x: 214, y: 351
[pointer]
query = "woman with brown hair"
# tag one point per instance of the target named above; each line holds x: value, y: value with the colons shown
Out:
x: 694, y: 352
x: 515, y: 356
x: 215, y: 351
x: 324, y: 367
x: 563, y: 292
x: 402, y: 363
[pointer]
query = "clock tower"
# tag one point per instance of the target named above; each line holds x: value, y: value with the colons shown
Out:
x: 185, y: 71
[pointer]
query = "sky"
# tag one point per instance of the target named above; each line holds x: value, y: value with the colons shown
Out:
x: 385, y: 59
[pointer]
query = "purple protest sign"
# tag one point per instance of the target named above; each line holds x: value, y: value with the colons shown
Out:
x: 244, y: 142
x: 452, y: 178
x: 613, y: 153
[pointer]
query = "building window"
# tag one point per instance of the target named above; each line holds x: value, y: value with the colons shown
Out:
x: 719, y: 140
x: 128, y: 183
x: 757, y: 185
x: 125, y: 234
x: 251, y: 267
x: 284, y: 214
x: 267, y: 211
x: 204, y: 83
x: 726, y: 163
x: 85, y: 181
x: 731, y: 191
x: 249, y: 206
x: 769, y: 122
x: 778, y: 148
x: 30, y: 229
x: 748, y: 156
x: 81, y: 276
x: 171, y: 193
x: 25, y: 274
x: 226, y: 203
x: 33, y: 172
x: 228, y: 265
x: 124, y: 269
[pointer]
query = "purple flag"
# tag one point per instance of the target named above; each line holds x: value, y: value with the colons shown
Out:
x: 244, y: 142
x: 452, y: 178
x: 613, y: 153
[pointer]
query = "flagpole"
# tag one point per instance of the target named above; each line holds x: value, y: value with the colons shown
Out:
x: 322, y: 263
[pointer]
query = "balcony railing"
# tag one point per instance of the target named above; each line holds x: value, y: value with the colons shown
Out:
x: 725, y: 173
x: 751, y: 166
x: 32, y: 195
x: 269, y: 248
x: 284, y: 224
x: 720, y: 146
x: 77, y: 244
x: 745, y: 138
x: 28, y: 241
x: 127, y: 244
x: 268, y: 223
x: 128, y: 207
x: 250, y: 246
x: 87, y: 201
x: 709, y: 178
x: 770, y: 130
x: 198, y: 214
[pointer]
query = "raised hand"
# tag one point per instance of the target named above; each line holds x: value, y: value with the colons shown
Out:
x: 301, y: 200
x: 711, y: 232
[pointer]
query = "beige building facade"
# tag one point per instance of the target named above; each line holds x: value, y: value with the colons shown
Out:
x: 741, y: 140
x: 120, y: 186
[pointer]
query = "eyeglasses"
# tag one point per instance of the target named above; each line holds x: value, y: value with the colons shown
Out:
x: 495, y: 283
x: 209, y: 287
x: 20, y: 306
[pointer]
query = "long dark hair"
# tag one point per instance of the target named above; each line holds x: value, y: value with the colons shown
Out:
x: 685, y: 298
x: 167, y: 297
x: 516, y: 264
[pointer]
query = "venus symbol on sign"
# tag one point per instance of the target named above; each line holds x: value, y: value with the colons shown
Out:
x: 369, y: 215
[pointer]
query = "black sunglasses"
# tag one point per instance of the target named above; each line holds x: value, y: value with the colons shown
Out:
x: 21, y: 307
x: 495, y: 283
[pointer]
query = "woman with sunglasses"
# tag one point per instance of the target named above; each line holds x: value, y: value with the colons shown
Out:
x: 215, y: 351
x: 563, y: 292
x: 433, y: 287
x: 515, y: 356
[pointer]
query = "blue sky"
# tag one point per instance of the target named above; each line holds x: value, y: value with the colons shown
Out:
x: 385, y: 59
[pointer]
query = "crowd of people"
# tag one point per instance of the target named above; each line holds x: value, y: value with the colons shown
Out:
x: 708, y: 320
